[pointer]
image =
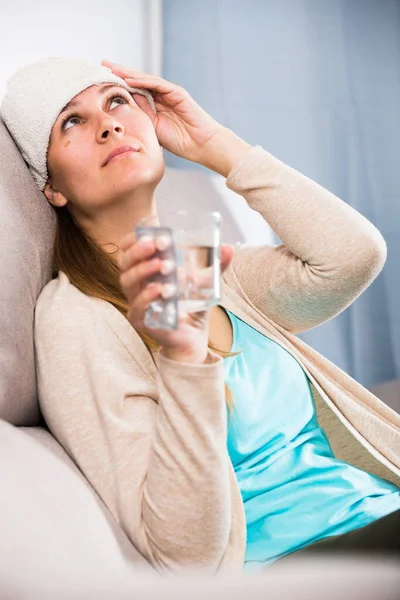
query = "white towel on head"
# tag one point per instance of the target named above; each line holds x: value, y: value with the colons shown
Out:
x: 35, y: 96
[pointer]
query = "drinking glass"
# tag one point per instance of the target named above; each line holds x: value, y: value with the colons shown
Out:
x: 194, y: 246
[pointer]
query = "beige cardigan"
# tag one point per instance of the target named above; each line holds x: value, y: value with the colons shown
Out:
x: 150, y: 437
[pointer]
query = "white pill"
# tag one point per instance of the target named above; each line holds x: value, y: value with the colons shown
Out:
x: 167, y: 266
x: 169, y: 290
x: 163, y: 242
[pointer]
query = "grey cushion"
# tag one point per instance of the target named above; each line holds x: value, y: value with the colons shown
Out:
x: 27, y: 229
x: 51, y: 519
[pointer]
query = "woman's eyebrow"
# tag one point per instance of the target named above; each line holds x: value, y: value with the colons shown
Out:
x: 102, y: 91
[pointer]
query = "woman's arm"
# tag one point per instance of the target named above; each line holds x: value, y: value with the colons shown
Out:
x: 330, y: 252
x: 157, y: 457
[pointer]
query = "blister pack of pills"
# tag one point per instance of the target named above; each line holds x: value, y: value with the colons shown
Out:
x: 162, y: 312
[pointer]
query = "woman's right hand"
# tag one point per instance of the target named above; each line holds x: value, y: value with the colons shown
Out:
x: 187, y: 343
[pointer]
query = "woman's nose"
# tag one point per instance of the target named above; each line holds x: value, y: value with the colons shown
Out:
x: 110, y: 124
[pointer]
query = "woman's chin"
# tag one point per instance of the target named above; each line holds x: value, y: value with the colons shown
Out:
x: 127, y: 182
x: 129, y: 173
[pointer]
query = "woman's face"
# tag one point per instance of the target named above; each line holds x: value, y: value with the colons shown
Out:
x: 84, y: 135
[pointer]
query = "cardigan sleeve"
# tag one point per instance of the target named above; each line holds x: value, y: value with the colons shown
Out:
x: 154, y: 452
x: 330, y: 252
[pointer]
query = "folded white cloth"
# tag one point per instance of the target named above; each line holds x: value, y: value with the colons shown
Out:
x: 35, y: 96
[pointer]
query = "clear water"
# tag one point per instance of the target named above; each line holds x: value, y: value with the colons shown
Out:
x: 198, y: 277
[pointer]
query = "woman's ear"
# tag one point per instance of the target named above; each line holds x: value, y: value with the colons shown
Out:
x: 227, y: 251
x: 49, y: 192
x: 53, y: 195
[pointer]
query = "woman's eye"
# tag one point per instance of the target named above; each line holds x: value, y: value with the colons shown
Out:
x: 67, y: 120
x: 118, y: 98
x: 75, y: 116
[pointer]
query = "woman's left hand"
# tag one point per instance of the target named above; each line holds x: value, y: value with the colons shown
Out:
x: 182, y: 126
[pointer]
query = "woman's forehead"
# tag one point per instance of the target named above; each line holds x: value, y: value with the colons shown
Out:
x: 93, y: 89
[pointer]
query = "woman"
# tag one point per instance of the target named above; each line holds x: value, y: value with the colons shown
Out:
x: 228, y: 443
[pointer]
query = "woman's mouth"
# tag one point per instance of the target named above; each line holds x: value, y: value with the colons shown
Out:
x: 120, y: 152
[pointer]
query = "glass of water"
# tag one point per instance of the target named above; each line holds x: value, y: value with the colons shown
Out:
x: 195, y: 250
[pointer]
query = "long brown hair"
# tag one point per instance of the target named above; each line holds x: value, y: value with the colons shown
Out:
x: 96, y: 273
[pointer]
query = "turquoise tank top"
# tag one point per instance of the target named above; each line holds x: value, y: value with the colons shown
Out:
x: 294, y: 490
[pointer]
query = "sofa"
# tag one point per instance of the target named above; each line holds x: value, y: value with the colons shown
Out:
x: 57, y: 538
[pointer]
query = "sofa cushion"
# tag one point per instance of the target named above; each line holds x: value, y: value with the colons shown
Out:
x: 51, y: 519
x: 27, y: 230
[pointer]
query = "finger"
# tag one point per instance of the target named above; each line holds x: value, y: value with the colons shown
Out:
x: 132, y: 280
x: 154, y: 83
x: 226, y: 256
x: 136, y: 252
x: 142, y: 302
x: 121, y: 70
x: 144, y: 105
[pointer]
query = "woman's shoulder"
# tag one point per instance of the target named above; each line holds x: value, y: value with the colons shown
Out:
x: 57, y: 290
x: 61, y: 296
x: 59, y: 309
x: 63, y: 311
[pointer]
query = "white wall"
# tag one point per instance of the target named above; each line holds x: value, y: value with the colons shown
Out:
x: 128, y: 32
x: 252, y: 226
x: 91, y: 29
